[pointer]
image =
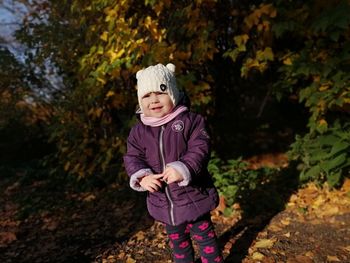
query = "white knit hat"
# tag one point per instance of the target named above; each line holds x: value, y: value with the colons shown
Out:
x: 158, y: 78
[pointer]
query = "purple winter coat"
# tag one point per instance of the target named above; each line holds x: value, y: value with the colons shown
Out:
x: 184, y: 144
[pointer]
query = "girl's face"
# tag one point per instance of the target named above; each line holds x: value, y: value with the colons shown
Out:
x: 156, y: 104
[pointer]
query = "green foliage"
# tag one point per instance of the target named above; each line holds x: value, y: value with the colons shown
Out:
x: 234, y: 179
x: 324, y: 157
x: 306, y: 46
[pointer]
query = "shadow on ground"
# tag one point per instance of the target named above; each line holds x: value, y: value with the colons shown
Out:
x: 259, y: 207
x: 50, y: 221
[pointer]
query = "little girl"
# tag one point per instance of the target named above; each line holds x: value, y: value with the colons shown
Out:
x: 167, y: 155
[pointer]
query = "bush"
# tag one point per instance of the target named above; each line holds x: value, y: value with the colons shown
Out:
x: 324, y: 157
x: 234, y: 179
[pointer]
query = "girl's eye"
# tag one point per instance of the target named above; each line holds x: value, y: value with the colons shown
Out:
x: 146, y: 96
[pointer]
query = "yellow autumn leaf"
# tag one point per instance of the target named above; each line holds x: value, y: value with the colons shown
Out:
x: 258, y: 256
x: 347, y: 248
x: 287, y: 62
x: 130, y: 260
x: 333, y: 259
x: 110, y: 94
x: 264, y: 55
x: 120, y: 53
x: 250, y: 63
x: 265, y: 243
x: 309, y: 254
x: 323, y: 87
x: 148, y: 21
x: 241, y: 39
x: 103, y: 81
x: 268, y: 9
x: 140, y: 235
x: 100, y: 50
x: 274, y: 228
x: 115, y: 55
x: 252, y: 19
x: 104, y: 36
x: 287, y: 234
x: 347, y: 100
x: 110, y: 14
x: 285, y: 222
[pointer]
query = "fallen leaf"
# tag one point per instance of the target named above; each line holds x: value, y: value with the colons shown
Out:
x: 333, y: 259
x: 274, y: 228
x: 121, y: 255
x: 222, y: 204
x: 287, y: 234
x: 160, y: 245
x: 346, y: 248
x: 346, y: 185
x: 257, y: 256
x: 140, y: 235
x: 318, y: 202
x: 265, y: 243
x: 285, y: 222
x: 309, y: 254
x: 130, y: 260
x: 110, y: 259
x: 7, y: 238
x: 303, y: 259
x: 89, y: 198
x: 330, y: 210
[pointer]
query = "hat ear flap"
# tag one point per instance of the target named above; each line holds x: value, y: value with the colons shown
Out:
x: 138, y: 73
x: 171, y: 67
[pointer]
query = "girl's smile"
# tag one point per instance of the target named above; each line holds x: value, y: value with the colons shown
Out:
x: 156, y: 104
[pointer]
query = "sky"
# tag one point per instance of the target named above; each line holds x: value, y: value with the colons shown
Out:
x: 12, y: 12
x: 11, y: 15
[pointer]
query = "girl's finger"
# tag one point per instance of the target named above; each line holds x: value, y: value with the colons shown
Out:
x: 157, y: 176
x: 150, y: 189
x: 157, y: 183
x: 155, y: 187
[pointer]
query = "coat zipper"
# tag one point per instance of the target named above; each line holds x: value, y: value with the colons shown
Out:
x: 161, y: 149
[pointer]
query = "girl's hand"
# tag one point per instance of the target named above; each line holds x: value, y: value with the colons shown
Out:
x: 171, y: 175
x: 151, y: 182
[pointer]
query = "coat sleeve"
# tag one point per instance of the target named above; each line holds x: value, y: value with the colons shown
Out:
x: 134, y: 160
x: 198, y: 149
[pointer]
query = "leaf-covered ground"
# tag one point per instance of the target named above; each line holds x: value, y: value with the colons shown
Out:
x: 315, y: 227
x: 42, y: 221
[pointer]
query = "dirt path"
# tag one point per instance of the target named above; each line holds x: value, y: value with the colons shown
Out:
x: 43, y: 222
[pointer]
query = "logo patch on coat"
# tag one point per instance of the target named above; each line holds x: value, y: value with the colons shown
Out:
x: 177, y: 126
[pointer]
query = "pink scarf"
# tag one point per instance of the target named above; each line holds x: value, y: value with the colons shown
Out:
x: 155, y: 122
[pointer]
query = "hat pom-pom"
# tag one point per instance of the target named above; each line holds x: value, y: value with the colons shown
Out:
x: 171, y: 67
x: 138, y: 73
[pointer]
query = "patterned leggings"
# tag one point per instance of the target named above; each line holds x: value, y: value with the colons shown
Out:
x: 202, y: 231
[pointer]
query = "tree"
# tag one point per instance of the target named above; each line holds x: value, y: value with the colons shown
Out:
x: 295, y: 49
